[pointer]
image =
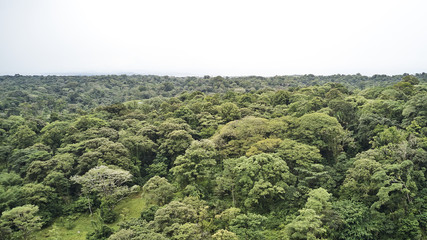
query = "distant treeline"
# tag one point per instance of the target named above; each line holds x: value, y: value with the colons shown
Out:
x: 38, y: 95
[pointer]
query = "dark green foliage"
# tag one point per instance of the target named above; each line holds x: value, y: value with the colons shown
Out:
x: 148, y: 214
x: 107, y: 215
x: 100, y: 234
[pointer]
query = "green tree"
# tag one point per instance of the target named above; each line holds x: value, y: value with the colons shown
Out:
x: 53, y: 134
x: 223, y: 234
x: 175, y: 144
x: 173, y: 213
x: 141, y: 147
x: 260, y: 180
x: 248, y: 226
x: 268, y: 145
x: 322, y: 131
x: 387, y: 136
x: 298, y: 155
x: 236, y: 137
x: 358, y: 184
x: 187, y: 231
x: 197, y: 165
x: 158, y: 190
x: 416, y: 109
x: 105, y: 181
x: 23, y: 137
x: 411, y: 79
x: 318, y: 200
x: 229, y: 112
x: 354, y: 221
x: 307, y: 225
x: 101, y: 151
x: 21, y: 222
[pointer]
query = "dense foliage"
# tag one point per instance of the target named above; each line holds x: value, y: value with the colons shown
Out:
x: 294, y: 157
x: 37, y: 95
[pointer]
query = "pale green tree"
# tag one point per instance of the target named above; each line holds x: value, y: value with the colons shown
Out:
x: 105, y: 181
x: 223, y: 234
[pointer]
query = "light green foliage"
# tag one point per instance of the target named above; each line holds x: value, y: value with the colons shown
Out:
x: 405, y: 87
x: 388, y: 109
x: 397, y: 184
x: 187, y: 115
x: 236, y: 137
x: 208, y: 124
x: 204, y: 217
x: 136, y: 229
x: 306, y: 226
x: 197, y: 165
x: 38, y: 170
x: 158, y: 190
x: 173, y: 213
x: 157, y: 168
x: 283, y: 127
x: 322, y: 131
x: 227, y: 215
x: 23, y: 137
x: 103, y: 180
x: 187, y: 231
x: 269, y: 145
x: 123, y: 234
x: 389, y: 135
x: 64, y: 163
x: 318, y: 200
x: 358, y: 184
x: 334, y: 94
x: 298, y: 155
x: 107, y: 183
x: 38, y: 194
x: 280, y: 98
x: 172, y: 124
x: 58, y: 181
x: 20, y: 222
x: 260, y: 180
x: 229, y: 112
x: 304, y: 104
x: 223, y: 234
x: 248, y: 226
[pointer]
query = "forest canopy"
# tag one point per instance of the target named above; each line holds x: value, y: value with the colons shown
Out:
x: 285, y: 157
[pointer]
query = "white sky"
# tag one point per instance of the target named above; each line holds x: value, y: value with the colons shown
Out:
x: 182, y: 37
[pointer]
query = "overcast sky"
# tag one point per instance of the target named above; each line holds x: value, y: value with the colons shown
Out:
x: 181, y: 37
